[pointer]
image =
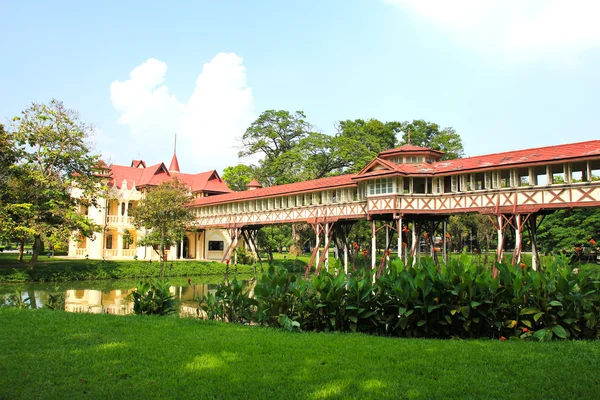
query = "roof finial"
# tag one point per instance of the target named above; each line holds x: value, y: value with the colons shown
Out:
x: 408, y: 136
x: 174, y: 162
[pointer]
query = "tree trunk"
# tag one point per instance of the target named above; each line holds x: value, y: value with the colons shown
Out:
x: 37, y: 245
x: 162, y: 255
x: 21, y: 249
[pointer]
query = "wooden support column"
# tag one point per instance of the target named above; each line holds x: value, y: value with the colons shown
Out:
x: 414, y: 244
x: 346, y: 257
x: 234, y: 234
x: 373, y: 244
x: 535, y: 257
x: 326, y: 249
x: 445, y: 251
x: 399, y: 228
x: 387, y: 244
x: 518, y: 240
x: 315, y: 252
x: 500, y: 229
x: 328, y: 229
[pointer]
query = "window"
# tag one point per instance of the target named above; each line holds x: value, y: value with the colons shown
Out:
x: 215, y: 245
x: 109, y: 241
x: 480, y: 181
x: 381, y: 186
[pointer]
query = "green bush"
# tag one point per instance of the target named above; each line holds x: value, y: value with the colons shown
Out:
x: 153, y: 298
x: 457, y: 300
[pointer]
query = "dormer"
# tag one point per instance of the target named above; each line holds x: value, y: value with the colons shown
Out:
x: 138, y: 164
x: 409, y: 154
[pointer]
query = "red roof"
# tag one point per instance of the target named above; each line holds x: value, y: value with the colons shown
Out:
x: 174, y: 164
x: 253, y: 184
x: 281, y: 190
x: 385, y: 167
x: 528, y: 156
x: 208, y: 181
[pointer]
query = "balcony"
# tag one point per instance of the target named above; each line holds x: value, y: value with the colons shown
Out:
x: 110, y: 253
x: 80, y: 252
x: 129, y: 252
x: 118, y: 220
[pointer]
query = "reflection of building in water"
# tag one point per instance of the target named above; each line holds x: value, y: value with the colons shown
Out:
x: 117, y: 301
x: 189, y: 298
x: 97, y: 302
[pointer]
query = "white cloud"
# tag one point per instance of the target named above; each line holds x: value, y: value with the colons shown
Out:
x: 520, y: 30
x: 207, y: 125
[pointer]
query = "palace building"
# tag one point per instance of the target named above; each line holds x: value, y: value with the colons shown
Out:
x: 408, y: 184
x: 127, y: 185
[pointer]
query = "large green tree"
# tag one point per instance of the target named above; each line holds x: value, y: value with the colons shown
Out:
x: 239, y: 176
x: 54, y: 159
x: 563, y: 230
x: 358, y: 141
x: 164, y: 212
x: 429, y: 134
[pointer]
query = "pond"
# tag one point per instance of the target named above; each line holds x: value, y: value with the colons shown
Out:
x: 108, y: 297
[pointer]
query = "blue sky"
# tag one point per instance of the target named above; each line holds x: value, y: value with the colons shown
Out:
x: 505, y: 74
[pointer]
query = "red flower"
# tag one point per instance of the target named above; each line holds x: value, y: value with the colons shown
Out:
x: 388, y: 252
x: 436, y: 249
x: 228, y: 261
x: 502, y: 338
x: 426, y: 235
x: 447, y: 236
x: 404, y: 244
x: 525, y: 330
x: 355, y: 246
x: 365, y: 252
x: 523, y: 265
x: 578, y: 249
x: 592, y: 242
x: 189, y: 281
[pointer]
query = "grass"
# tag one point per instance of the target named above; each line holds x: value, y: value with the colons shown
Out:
x: 56, y: 269
x: 62, y: 270
x: 56, y: 355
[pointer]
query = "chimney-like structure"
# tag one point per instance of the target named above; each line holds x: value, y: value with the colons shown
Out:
x: 253, y: 185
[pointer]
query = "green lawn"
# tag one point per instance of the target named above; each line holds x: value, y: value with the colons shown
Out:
x: 57, y: 355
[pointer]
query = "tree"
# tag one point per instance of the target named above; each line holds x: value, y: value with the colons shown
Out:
x: 563, y: 230
x: 164, y: 212
x: 273, y: 133
x: 428, y: 134
x: 358, y: 141
x: 53, y: 160
x: 239, y: 176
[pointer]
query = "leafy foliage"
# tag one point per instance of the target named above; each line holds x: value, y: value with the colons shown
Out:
x: 53, y: 158
x: 231, y: 303
x: 428, y: 134
x: 239, y: 176
x: 460, y: 299
x: 165, y: 213
x: 153, y: 298
x: 563, y: 230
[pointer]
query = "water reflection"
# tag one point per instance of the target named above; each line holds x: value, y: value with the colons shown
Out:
x: 100, y: 301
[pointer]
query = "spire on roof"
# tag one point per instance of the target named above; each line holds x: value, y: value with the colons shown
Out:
x: 174, y: 163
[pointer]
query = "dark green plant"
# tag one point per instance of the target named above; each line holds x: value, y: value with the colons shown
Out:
x: 56, y: 301
x: 153, y: 298
x: 230, y: 303
x: 458, y: 300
